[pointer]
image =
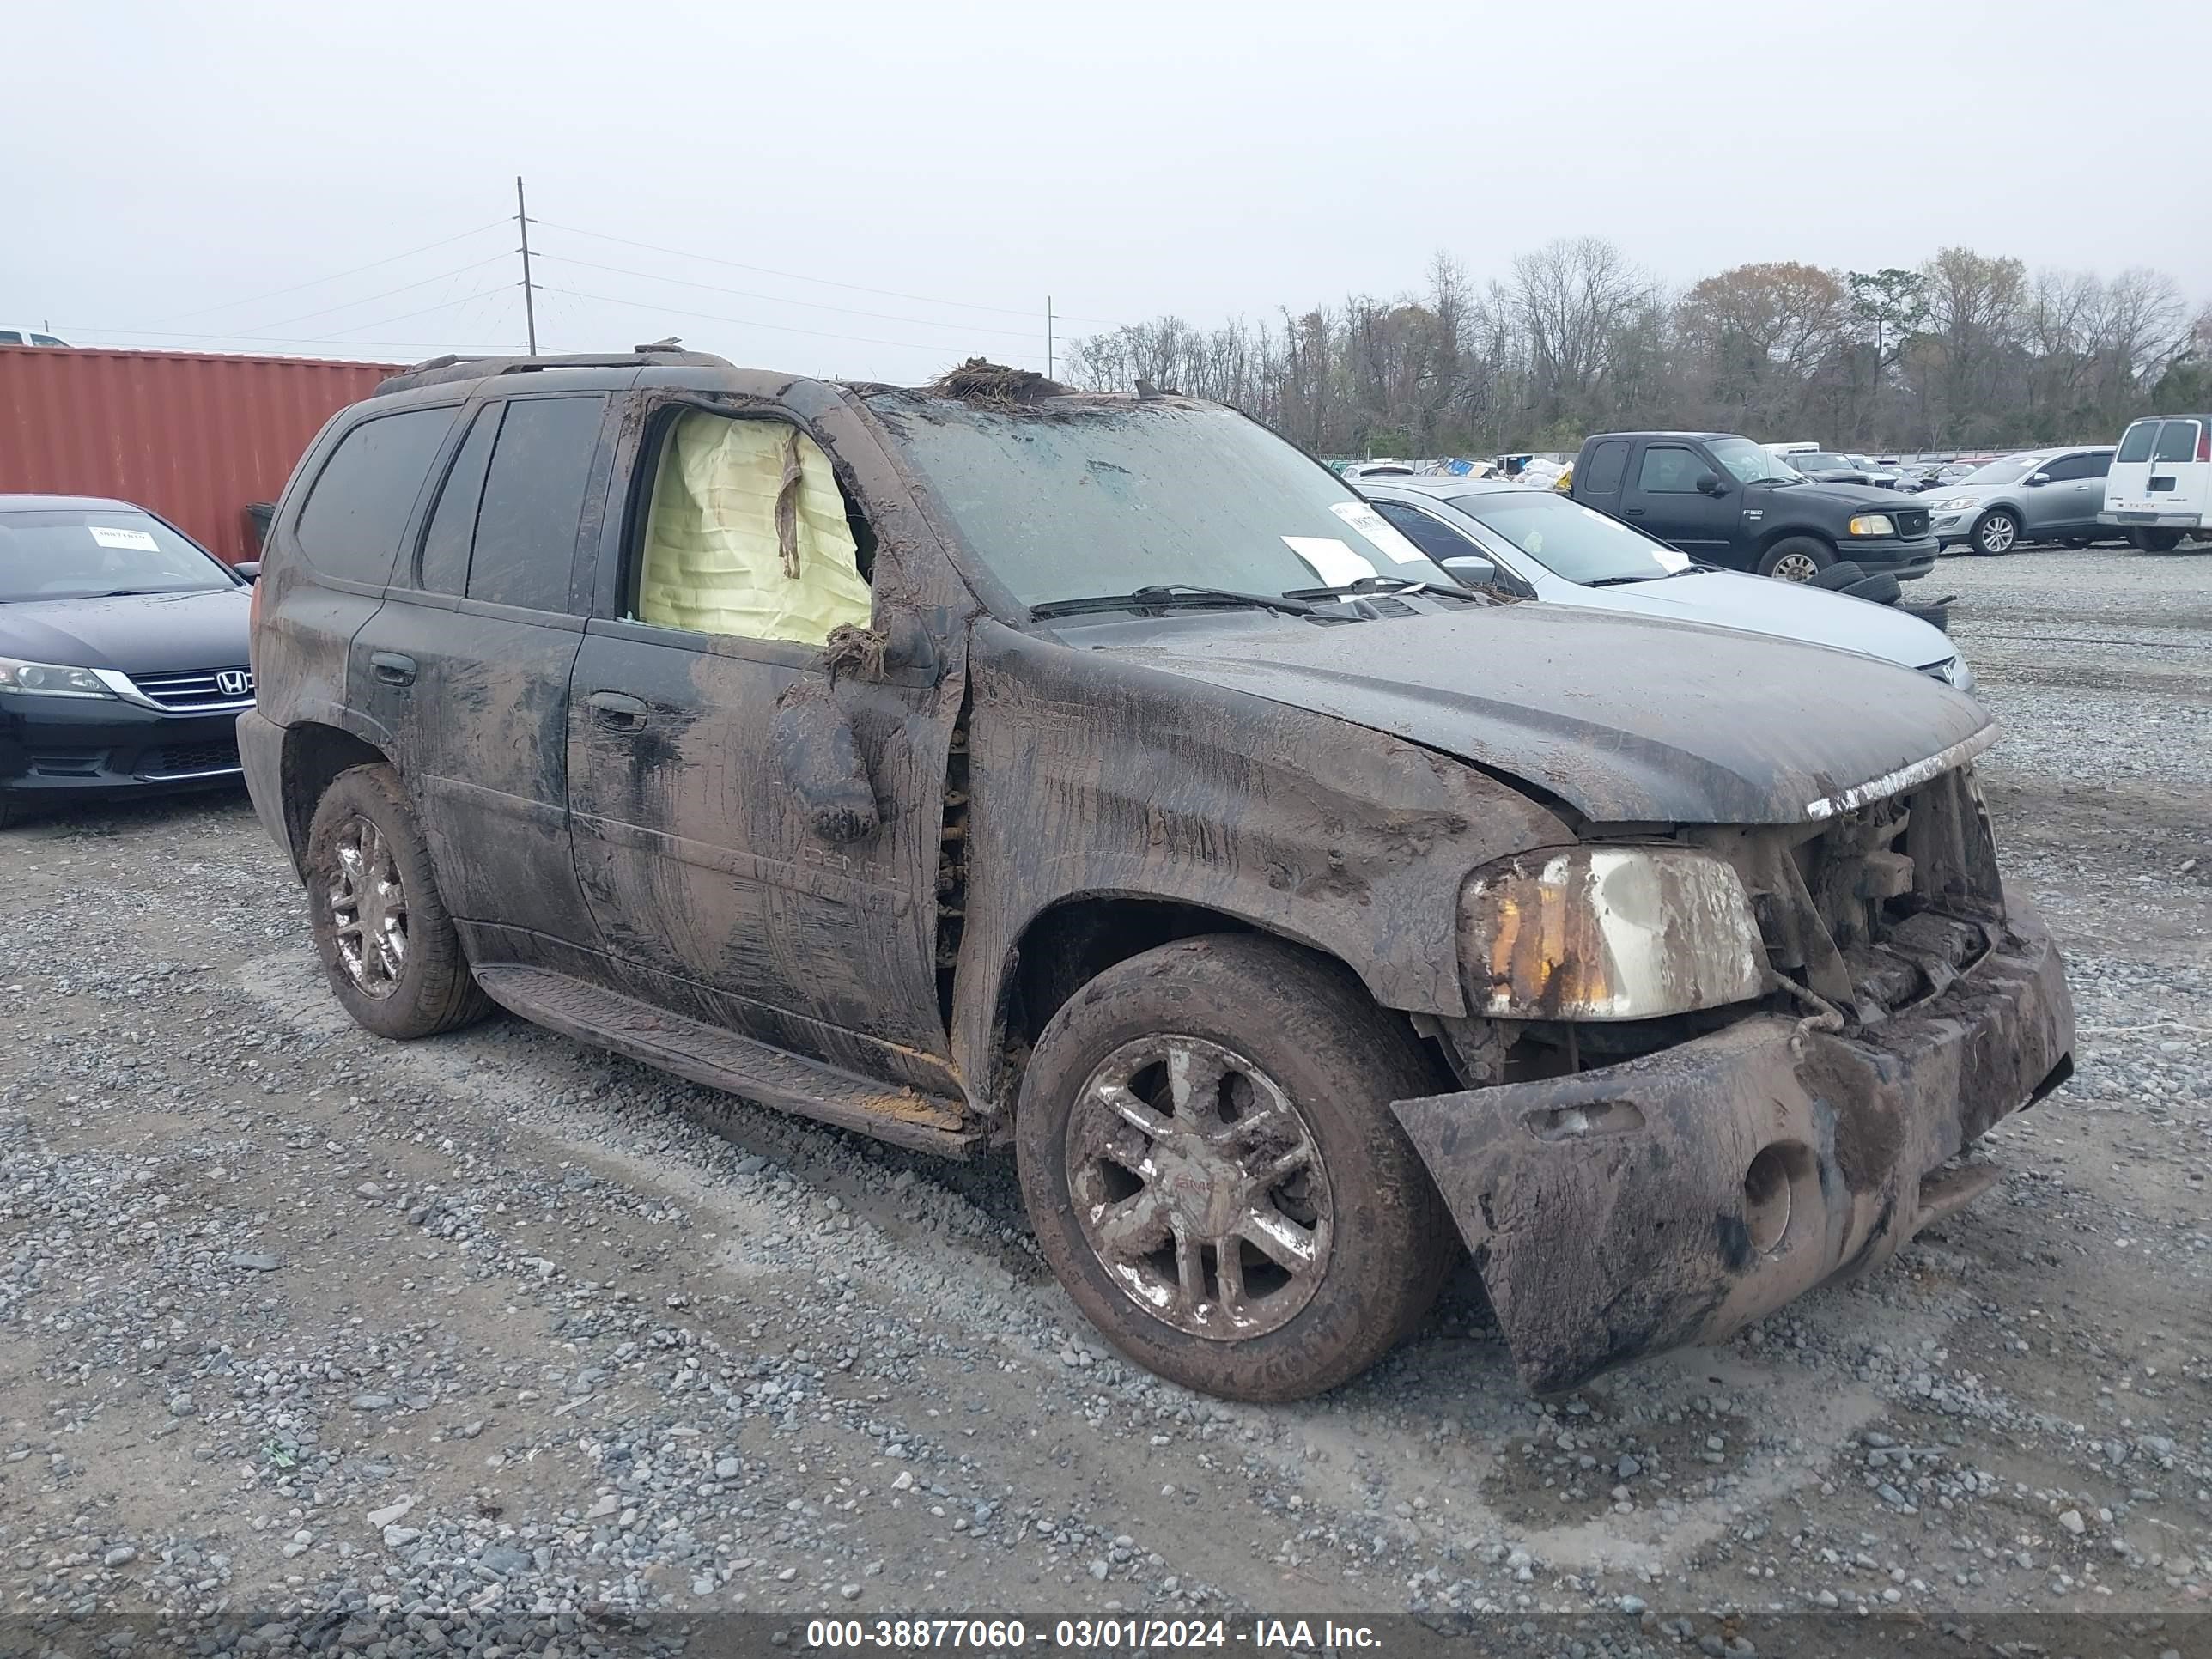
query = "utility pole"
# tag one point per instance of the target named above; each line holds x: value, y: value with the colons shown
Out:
x: 1048, y: 336
x: 529, y: 305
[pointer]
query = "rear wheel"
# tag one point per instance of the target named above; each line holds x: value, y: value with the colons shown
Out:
x: 1207, y: 1154
x: 2155, y: 541
x: 1797, y: 559
x: 1996, y: 533
x: 388, y: 947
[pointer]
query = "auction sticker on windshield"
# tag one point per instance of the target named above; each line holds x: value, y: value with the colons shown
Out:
x: 1378, y: 529
x: 1331, y: 560
x: 137, y: 540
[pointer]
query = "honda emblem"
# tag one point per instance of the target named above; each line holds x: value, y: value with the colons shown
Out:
x: 234, y: 683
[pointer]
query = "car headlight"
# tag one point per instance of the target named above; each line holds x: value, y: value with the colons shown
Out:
x: 1608, y: 932
x: 1955, y: 504
x: 47, y: 679
x: 1873, y: 524
x: 1954, y: 673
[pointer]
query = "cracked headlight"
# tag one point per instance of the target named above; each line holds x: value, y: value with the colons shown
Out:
x: 1608, y: 932
x: 46, y: 679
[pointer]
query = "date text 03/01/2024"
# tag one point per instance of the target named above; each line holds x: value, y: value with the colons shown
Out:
x: 999, y: 1635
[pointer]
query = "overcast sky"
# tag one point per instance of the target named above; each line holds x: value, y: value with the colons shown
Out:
x: 175, y: 167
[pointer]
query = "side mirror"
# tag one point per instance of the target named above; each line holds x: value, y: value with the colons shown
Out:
x: 1709, y: 483
x: 250, y: 568
x: 2038, y: 478
x: 1471, y: 570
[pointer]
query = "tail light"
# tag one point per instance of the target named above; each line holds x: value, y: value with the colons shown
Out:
x: 2204, y: 442
x: 254, y: 634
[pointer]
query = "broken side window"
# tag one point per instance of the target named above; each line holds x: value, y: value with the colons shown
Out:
x: 747, y: 534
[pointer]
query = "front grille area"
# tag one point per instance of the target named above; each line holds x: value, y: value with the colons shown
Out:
x: 182, y: 761
x: 1877, y: 909
x: 209, y: 688
x: 1912, y: 521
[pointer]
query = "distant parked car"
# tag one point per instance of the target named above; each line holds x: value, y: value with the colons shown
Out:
x: 1534, y: 545
x: 2036, y: 495
x: 2160, y: 487
x: 29, y: 336
x: 1724, y: 500
x: 1831, y: 466
x: 123, y: 655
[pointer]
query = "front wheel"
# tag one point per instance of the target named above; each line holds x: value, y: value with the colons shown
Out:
x: 1996, y: 533
x: 389, y: 949
x: 1795, y: 559
x: 1207, y: 1154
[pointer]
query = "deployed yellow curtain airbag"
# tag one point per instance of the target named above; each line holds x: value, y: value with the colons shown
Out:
x: 747, y: 535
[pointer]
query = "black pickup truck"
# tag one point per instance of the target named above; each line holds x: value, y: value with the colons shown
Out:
x: 1725, y: 501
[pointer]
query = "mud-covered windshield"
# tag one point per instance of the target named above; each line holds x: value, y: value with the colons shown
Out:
x: 1073, y: 497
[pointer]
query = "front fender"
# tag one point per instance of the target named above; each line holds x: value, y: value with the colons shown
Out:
x: 1091, y: 776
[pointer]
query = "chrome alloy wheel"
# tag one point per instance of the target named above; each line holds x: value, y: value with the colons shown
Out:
x: 368, y: 908
x: 1199, y: 1186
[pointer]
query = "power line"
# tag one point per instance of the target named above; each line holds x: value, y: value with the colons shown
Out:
x: 474, y: 264
x: 316, y: 282
x: 824, y: 281
x: 272, y: 339
x: 778, y: 299
x: 748, y: 322
x: 442, y: 305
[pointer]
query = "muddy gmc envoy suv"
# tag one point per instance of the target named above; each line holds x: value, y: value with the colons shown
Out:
x: 988, y: 764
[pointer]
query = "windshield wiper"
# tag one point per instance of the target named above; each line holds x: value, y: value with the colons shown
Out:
x: 1385, y: 585
x: 1168, y: 593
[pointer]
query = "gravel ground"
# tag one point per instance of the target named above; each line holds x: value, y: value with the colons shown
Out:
x: 484, y: 1344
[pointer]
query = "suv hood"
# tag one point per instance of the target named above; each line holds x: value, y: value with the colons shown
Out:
x: 1789, y: 610
x: 136, y: 633
x: 1623, y: 719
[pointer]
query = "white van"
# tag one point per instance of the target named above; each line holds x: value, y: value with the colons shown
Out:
x: 2159, y: 488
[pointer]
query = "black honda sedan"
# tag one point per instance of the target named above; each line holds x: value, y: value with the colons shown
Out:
x: 123, y: 655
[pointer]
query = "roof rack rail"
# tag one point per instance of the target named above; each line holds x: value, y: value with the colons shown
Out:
x: 439, y: 370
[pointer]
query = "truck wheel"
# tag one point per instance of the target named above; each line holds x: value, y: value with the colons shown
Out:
x: 1207, y: 1154
x: 2155, y: 541
x: 1996, y: 533
x: 1795, y: 559
x: 388, y: 947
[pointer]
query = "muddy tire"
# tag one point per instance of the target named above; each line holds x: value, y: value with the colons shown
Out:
x: 1285, y: 1234
x: 1797, y: 559
x: 1996, y: 533
x: 387, y: 945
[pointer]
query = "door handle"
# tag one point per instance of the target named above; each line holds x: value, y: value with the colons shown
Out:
x: 1631, y: 512
x: 617, y: 711
x: 393, y: 668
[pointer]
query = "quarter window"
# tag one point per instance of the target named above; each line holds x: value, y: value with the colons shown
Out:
x: 358, y: 508
x: 453, y: 521
x: 533, y: 499
x: 1606, y: 463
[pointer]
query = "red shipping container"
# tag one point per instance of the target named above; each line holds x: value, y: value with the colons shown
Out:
x: 194, y: 437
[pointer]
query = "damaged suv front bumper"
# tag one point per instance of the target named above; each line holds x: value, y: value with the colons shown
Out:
x: 1673, y: 1198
